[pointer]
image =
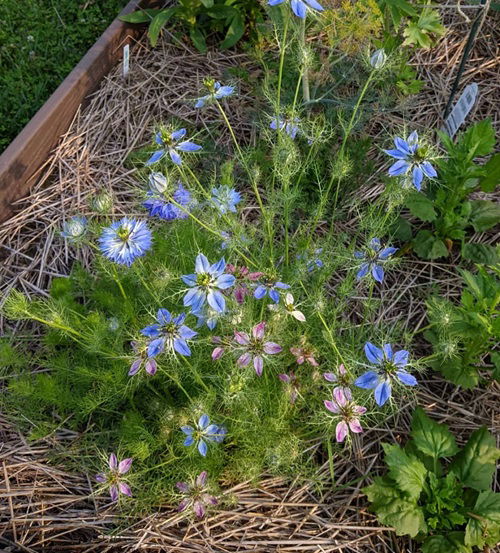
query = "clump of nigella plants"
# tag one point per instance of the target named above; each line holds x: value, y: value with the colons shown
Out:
x: 207, y: 346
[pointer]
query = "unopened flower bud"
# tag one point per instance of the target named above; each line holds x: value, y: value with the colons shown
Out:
x: 158, y: 183
x: 102, y: 203
x: 74, y: 229
x: 378, y: 59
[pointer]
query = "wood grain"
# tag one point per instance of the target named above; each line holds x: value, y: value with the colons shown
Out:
x: 21, y: 161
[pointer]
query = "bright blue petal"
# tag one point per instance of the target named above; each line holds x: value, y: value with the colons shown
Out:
x: 203, y: 422
x: 281, y: 285
x: 274, y: 295
x: 187, y: 430
x: 176, y: 158
x: 399, y: 168
x: 158, y: 139
x: 275, y: 3
x: 299, y: 8
x: 375, y: 244
x: 177, y: 135
x: 315, y: 5
x: 202, y: 448
x: 180, y: 346
x: 406, y: 378
x: 363, y: 271
x: 186, y: 333
x: 216, y: 301
x: 163, y: 316
x: 387, y: 252
x: 401, y: 358
x: 156, y: 347
x: 359, y: 255
x: 155, y: 157
x: 151, y: 330
x: 397, y: 154
x: 260, y: 292
x: 367, y: 380
x: 418, y: 177
x: 224, y: 91
x: 402, y: 145
x: 428, y: 170
x: 179, y: 319
x: 378, y: 272
x: 194, y: 298
x: 218, y: 268
x: 188, y: 441
x: 225, y: 281
x: 190, y: 280
x: 201, y: 265
x: 382, y: 393
x: 188, y: 146
x: 373, y: 353
x: 388, y: 351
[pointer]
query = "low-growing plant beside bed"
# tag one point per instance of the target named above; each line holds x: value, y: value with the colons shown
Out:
x: 231, y: 327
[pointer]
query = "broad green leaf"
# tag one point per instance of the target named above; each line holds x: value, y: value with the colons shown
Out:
x: 428, y: 246
x: 423, y: 30
x: 234, y: 32
x: 140, y: 16
x: 157, y: 24
x: 483, y: 527
x: 402, y: 229
x: 397, y: 9
x: 421, y: 206
x: 479, y: 139
x: 480, y: 253
x: 198, y: 39
x: 207, y: 3
x: 475, y: 464
x: 484, y: 215
x: 491, y: 179
x: 460, y: 373
x: 406, y: 470
x: 394, y: 510
x: 430, y: 437
x: 451, y: 542
x: 221, y: 12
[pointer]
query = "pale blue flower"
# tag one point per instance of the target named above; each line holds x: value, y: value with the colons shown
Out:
x: 299, y: 7
x: 411, y: 158
x: 217, y: 92
x: 74, y: 229
x: 373, y: 260
x: 172, y: 144
x: 203, y: 432
x: 287, y: 124
x: 225, y: 198
x: 169, y: 334
x: 126, y: 240
x: 390, y: 365
x: 206, y: 284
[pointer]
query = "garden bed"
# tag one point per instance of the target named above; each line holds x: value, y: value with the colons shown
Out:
x: 46, y: 508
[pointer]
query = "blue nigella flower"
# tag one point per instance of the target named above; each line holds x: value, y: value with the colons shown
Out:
x: 216, y: 92
x: 173, y: 144
x: 312, y: 263
x: 206, y: 283
x: 74, y: 229
x: 390, y: 365
x: 225, y: 199
x: 373, y: 260
x: 299, y: 7
x: 411, y: 158
x: 207, y: 316
x: 290, y: 126
x: 125, y: 241
x: 158, y: 204
x: 203, y: 433
x: 169, y: 333
x: 270, y: 287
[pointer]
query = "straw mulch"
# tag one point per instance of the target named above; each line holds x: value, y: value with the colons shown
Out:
x: 44, y: 508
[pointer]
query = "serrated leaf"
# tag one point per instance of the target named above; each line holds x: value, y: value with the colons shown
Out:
x: 479, y: 139
x: 480, y: 253
x: 484, y: 215
x: 475, y: 464
x: 394, y: 510
x: 460, y: 373
x: 430, y: 437
x: 421, y: 206
x: 451, y: 542
x: 406, y: 470
x: 491, y: 179
x: 428, y: 246
x: 422, y: 31
x: 484, y: 527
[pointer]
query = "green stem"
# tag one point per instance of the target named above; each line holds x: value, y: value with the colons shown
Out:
x: 282, y: 59
x: 305, y: 74
x: 330, y: 459
x: 117, y: 280
x: 196, y: 374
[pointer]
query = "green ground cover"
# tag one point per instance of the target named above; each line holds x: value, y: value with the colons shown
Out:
x: 40, y: 42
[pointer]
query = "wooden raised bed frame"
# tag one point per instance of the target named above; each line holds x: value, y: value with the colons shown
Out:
x: 21, y: 161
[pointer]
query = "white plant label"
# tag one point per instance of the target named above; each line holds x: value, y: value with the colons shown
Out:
x: 126, y: 60
x: 461, y: 109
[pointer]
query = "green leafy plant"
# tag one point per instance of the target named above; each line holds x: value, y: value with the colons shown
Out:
x: 445, y: 202
x: 437, y: 493
x: 462, y: 335
x: 227, y: 19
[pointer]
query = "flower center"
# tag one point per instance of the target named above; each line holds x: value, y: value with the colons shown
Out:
x: 123, y: 233
x: 203, y: 279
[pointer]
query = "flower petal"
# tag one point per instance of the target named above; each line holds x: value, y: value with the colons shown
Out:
x: 188, y: 146
x: 125, y: 489
x: 216, y: 301
x: 217, y: 353
x: 400, y: 358
x: 163, y: 316
x: 406, y: 378
x: 202, y: 448
x: 378, y: 272
x: 331, y: 406
x: 418, y: 177
x: 387, y: 351
x: 134, y: 368
x: 271, y: 348
x: 241, y: 338
x: 382, y: 392
x: 113, y: 492
x: 399, y: 168
x: 341, y: 431
x: 225, y: 281
x: 339, y: 397
x: 181, y: 347
x: 299, y: 8
x: 330, y: 377
x: 190, y: 280
x: 125, y: 465
x: 258, y: 364
x: 363, y: 270
x: 387, y: 252
x: 367, y: 381
x: 373, y: 353
x: 428, y: 169
x: 258, y: 330
x: 244, y: 359
x: 151, y: 367
x: 260, y: 292
x: 355, y: 426
x: 113, y: 462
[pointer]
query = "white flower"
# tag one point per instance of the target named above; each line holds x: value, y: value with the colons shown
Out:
x: 290, y: 307
x: 378, y: 59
